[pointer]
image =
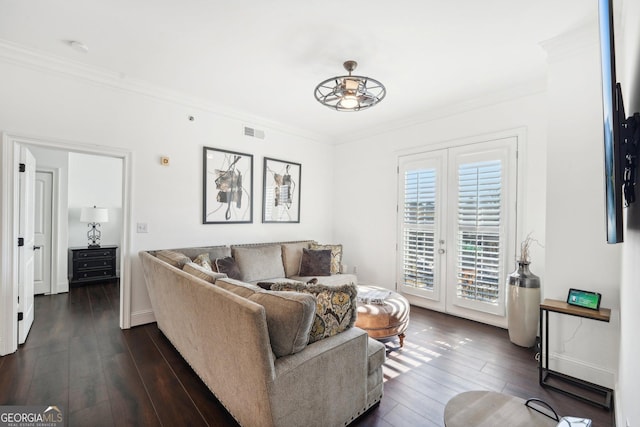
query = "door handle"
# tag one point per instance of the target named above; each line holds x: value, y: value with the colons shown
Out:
x: 440, y: 251
x: 35, y: 248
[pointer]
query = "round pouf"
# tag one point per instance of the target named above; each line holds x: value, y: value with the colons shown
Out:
x: 382, y: 313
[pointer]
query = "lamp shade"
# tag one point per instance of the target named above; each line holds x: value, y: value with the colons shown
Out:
x: 94, y: 214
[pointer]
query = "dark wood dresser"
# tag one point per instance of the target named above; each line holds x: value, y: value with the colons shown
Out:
x: 87, y: 265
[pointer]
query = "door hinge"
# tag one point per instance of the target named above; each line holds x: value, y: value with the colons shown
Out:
x: 20, y: 316
x: 22, y: 167
x: 20, y: 241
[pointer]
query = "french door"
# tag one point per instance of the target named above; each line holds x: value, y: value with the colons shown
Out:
x: 457, y: 225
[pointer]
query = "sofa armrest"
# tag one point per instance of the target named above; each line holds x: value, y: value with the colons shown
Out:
x: 326, y: 381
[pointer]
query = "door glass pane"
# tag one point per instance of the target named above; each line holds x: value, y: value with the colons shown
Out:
x: 419, y: 218
x: 418, y: 259
x: 478, y: 238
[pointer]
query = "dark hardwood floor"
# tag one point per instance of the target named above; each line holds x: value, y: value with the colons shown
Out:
x: 76, y: 357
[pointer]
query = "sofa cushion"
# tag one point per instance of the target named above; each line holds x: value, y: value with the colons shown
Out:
x: 259, y: 262
x: 228, y: 266
x: 336, y: 255
x: 289, y: 319
x: 335, y: 307
x: 204, y: 261
x: 176, y: 259
x: 315, y: 263
x: 202, y: 273
x: 291, y: 255
x: 238, y: 287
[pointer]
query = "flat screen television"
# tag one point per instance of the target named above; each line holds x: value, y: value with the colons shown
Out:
x: 613, y: 118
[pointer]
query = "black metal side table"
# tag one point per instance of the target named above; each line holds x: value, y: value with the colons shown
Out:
x: 595, y: 394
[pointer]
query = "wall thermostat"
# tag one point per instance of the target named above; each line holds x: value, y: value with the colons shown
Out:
x: 584, y: 299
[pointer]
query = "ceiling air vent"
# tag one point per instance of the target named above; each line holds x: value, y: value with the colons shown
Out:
x: 255, y: 133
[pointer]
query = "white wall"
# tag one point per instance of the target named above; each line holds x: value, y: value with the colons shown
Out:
x: 366, y: 182
x: 95, y: 181
x: 169, y: 199
x: 628, y: 387
x: 577, y: 255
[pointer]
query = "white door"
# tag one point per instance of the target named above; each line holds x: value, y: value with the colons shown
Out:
x: 456, y: 227
x: 26, y: 251
x: 422, y: 221
x: 42, y: 230
x: 482, y: 236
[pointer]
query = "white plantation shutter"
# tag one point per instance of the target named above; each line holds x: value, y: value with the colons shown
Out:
x: 419, y: 228
x: 478, y: 238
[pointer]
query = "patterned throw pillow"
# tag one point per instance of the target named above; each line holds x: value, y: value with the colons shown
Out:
x: 335, y: 307
x: 228, y: 266
x: 204, y: 261
x: 315, y: 263
x: 336, y: 255
x: 176, y: 259
x: 202, y: 273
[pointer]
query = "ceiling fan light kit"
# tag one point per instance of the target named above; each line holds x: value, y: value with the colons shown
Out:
x: 350, y: 93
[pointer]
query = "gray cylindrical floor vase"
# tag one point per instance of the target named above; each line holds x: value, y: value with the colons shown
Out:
x: 523, y: 306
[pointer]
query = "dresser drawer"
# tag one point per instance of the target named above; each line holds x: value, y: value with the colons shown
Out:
x: 89, y: 275
x: 93, y: 253
x: 92, y: 264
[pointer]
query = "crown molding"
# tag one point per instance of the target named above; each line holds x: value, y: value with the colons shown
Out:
x: 531, y: 87
x: 14, y: 53
x: 572, y: 42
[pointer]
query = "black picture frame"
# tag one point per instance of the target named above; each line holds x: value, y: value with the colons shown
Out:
x: 281, y: 191
x: 227, y: 196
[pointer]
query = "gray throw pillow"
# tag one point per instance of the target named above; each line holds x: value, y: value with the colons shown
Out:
x: 228, y: 266
x: 315, y: 262
x: 289, y: 319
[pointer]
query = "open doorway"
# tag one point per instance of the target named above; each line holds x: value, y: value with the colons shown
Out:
x: 66, y: 183
x: 11, y: 145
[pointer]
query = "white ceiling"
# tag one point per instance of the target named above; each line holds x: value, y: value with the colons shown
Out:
x: 265, y: 57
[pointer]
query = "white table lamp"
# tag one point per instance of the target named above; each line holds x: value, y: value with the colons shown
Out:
x: 94, y: 216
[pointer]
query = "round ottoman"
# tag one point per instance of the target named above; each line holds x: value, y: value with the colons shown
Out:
x: 382, y: 313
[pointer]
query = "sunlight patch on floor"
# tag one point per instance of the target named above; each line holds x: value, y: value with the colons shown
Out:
x: 401, y: 360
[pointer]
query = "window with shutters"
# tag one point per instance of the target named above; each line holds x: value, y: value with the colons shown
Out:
x: 419, y: 230
x: 456, y: 225
x: 479, y: 203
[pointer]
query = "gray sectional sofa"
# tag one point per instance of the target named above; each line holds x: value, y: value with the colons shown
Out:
x: 251, y: 347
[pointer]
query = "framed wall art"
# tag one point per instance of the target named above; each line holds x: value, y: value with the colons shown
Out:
x: 281, y: 191
x: 228, y: 187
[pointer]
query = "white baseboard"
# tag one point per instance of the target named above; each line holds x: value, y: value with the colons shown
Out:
x: 142, y: 317
x: 582, y: 370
